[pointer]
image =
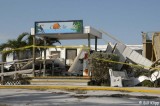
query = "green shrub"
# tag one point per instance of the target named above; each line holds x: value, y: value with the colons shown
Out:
x: 147, y: 83
x: 157, y: 83
x: 99, y: 67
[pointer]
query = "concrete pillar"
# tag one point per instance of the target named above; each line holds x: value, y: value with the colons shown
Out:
x: 144, y: 44
x: 147, y: 47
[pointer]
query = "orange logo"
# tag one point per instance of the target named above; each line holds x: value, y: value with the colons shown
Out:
x: 56, y: 26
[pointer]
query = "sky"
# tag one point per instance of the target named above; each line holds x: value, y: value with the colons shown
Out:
x: 124, y: 19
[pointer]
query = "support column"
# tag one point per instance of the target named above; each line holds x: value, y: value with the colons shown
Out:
x: 144, y: 43
x: 44, y: 61
x: 15, y: 66
x: 95, y: 43
x: 89, y: 40
x: 2, y: 76
x: 33, y: 64
x: 89, y: 46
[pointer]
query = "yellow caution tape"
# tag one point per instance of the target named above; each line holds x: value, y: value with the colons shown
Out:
x: 22, y: 48
x: 133, y: 65
x: 81, y: 47
x: 31, y: 46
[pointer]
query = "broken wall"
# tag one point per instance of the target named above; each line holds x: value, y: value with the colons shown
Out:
x: 156, y: 45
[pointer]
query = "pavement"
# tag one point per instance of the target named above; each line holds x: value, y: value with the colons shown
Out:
x: 71, y: 92
x: 54, y: 97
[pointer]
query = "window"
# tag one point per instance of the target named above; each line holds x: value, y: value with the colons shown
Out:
x: 71, y: 53
x: 54, y: 54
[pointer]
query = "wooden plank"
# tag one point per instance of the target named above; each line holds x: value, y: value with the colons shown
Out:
x: 16, y: 72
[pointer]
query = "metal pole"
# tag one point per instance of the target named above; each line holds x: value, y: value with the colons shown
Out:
x: 89, y: 45
x: 33, y: 63
x: 44, y: 62
x: 95, y: 43
x: 53, y: 68
x: 2, y: 76
x: 89, y: 40
x: 15, y: 67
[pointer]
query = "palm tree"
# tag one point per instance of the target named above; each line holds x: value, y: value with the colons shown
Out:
x: 21, y: 42
x: 13, y: 44
x: 49, y: 42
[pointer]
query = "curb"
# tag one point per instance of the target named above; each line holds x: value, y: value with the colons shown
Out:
x: 41, y: 87
x: 77, y: 81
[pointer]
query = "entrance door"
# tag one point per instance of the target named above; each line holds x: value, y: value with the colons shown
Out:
x: 70, y: 56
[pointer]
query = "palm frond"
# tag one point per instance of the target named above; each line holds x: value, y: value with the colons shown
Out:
x: 2, y: 46
x: 21, y: 36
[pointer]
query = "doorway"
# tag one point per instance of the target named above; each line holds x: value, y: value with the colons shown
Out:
x: 70, y: 56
